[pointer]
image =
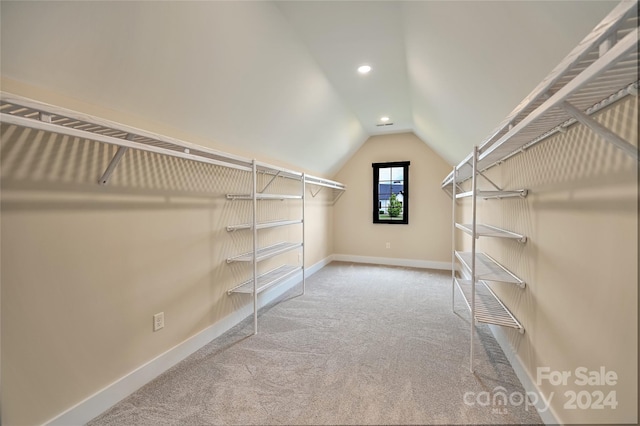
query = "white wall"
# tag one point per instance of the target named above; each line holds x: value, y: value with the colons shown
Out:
x: 427, y: 237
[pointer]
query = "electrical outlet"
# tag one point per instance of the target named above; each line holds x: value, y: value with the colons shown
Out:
x: 158, y: 321
x: 388, y: 245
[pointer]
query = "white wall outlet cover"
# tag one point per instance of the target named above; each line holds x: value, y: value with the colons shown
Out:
x: 158, y: 321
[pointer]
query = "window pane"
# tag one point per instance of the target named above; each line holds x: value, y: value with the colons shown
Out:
x: 397, y: 174
x: 384, y: 174
x: 384, y: 191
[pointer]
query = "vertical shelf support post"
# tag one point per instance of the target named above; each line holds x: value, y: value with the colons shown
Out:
x: 304, y: 245
x: 254, y: 194
x: 473, y: 253
x: 453, y: 240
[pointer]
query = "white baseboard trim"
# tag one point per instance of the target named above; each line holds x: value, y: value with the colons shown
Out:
x: 319, y: 265
x: 547, y: 415
x: 413, y: 263
x: 105, y: 398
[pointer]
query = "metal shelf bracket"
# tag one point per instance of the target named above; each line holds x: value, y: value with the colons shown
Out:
x: 313, y: 194
x: 114, y: 162
x: 601, y: 130
x: 490, y: 181
x: 273, y: 178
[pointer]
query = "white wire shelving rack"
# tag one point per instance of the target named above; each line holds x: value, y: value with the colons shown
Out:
x: 484, y: 305
x: 28, y: 113
x: 600, y: 71
x: 261, y: 282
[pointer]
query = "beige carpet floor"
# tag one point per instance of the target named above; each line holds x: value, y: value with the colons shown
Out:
x: 365, y: 345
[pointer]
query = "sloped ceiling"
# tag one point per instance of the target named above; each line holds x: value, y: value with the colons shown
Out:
x: 279, y: 78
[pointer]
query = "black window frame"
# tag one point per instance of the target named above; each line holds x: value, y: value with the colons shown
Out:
x: 405, y: 200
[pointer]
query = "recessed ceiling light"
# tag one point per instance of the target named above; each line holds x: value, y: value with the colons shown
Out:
x: 384, y: 119
x: 364, y: 69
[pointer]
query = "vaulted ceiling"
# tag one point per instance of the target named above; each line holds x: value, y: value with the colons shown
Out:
x: 280, y: 79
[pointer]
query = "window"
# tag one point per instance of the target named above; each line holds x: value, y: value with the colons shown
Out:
x: 391, y: 192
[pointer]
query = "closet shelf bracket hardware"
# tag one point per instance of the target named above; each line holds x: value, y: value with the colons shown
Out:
x: 448, y: 190
x: 270, y: 182
x: 490, y: 181
x: 114, y: 162
x: 44, y: 117
x: 313, y: 194
x: 335, y: 200
x: 602, y: 131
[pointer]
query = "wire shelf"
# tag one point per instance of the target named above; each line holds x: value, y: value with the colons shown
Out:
x: 488, y: 269
x: 264, y: 225
x: 265, y: 252
x: 266, y: 280
x: 25, y: 112
x: 489, y: 309
x: 491, y: 231
x: 264, y: 197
